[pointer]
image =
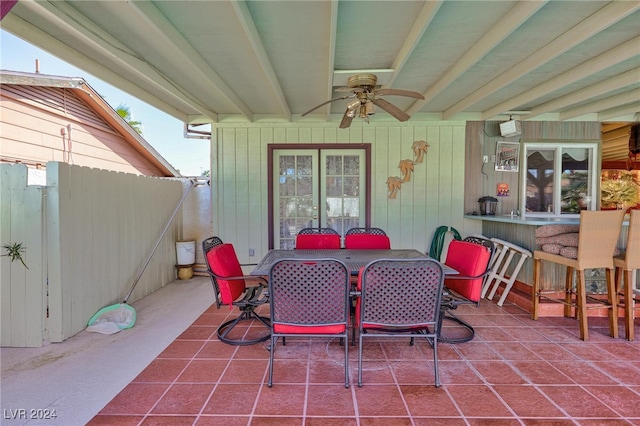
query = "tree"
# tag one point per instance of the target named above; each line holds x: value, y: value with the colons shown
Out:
x: 393, y: 184
x: 406, y: 168
x: 419, y: 150
x: 123, y: 111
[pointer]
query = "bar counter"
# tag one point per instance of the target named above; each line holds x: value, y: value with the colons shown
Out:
x: 521, y: 231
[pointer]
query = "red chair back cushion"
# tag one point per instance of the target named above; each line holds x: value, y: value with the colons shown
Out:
x: 224, y: 263
x: 367, y: 241
x: 470, y: 260
x: 318, y: 241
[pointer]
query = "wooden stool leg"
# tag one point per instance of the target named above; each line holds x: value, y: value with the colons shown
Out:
x: 613, y: 298
x: 568, y: 296
x: 618, y: 277
x: 581, y: 309
x: 629, y: 302
x: 535, y: 297
x: 621, y: 275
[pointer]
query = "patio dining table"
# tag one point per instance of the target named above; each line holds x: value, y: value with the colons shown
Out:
x: 354, y: 259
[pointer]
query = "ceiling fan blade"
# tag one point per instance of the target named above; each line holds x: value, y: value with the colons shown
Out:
x: 326, y: 102
x: 346, y: 119
x: 392, y: 109
x: 400, y: 92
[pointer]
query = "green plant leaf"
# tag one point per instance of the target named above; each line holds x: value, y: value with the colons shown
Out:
x: 14, y: 251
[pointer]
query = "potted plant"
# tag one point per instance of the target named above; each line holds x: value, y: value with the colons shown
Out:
x: 619, y: 190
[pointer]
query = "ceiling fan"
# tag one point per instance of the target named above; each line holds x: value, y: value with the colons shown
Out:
x: 366, y: 94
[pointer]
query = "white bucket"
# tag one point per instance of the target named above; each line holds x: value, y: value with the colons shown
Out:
x: 186, y: 252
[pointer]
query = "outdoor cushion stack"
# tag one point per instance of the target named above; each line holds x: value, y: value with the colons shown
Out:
x: 560, y: 239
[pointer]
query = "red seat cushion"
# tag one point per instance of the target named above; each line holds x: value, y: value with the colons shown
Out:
x: 470, y: 260
x: 367, y: 241
x: 306, y: 329
x: 224, y: 262
x: 357, y: 309
x: 318, y: 241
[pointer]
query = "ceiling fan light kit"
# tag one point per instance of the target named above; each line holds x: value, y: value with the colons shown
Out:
x: 368, y: 95
x: 369, y: 108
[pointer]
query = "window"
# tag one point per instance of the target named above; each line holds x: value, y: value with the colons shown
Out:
x: 559, y: 179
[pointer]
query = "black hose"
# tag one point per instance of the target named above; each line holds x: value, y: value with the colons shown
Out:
x: 437, y: 244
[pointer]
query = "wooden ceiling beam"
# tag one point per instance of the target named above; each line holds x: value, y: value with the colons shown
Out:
x: 621, y: 81
x: 250, y: 30
x: 115, y: 63
x: 616, y: 55
x: 607, y: 16
x: 163, y: 34
x: 331, y: 53
x: 426, y: 15
x: 629, y: 97
x: 510, y: 22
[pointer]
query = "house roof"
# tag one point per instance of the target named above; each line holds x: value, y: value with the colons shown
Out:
x: 94, y: 101
x: 247, y: 61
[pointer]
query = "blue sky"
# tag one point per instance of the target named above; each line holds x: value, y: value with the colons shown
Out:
x: 163, y: 132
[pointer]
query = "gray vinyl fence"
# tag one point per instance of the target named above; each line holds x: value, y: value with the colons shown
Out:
x: 86, y: 235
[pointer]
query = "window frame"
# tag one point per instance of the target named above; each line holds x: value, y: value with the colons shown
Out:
x: 558, y: 147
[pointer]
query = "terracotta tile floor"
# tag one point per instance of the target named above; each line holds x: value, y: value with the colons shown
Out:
x: 514, y: 372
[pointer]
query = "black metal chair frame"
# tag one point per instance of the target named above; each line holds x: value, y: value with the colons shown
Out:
x: 414, y: 314
x: 451, y: 300
x: 304, y: 292
x: 253, y: 297
x: 312, y: 231
x: 372, y: 231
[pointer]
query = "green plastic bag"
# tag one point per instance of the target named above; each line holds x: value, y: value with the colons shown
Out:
x: 112, y: 319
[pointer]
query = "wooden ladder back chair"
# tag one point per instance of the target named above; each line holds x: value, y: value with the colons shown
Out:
x: 597, y: 238
x: 400, y: 298
x: 627, y: 265
x: 318, y: 238
x: 230, y: 288
x: 309, y: 298
x: 367, y: 238
x: 505, y: 269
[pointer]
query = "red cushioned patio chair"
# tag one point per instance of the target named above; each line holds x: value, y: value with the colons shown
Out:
x: 318, y: 238
x: 471, y: 260
x: 400, y: 298
x: 230, y: 288
x: 366, y: 238
x: 309, y: 298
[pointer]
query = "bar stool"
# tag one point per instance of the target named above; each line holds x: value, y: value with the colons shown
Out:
x: 627, y: 265
x: 507, y: 252
x: 598, y: 235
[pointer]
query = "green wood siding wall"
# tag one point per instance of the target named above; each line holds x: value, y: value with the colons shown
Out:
x: 433, y: 197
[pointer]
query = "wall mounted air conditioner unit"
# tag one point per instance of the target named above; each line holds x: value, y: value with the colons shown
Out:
x: 510, y: 128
